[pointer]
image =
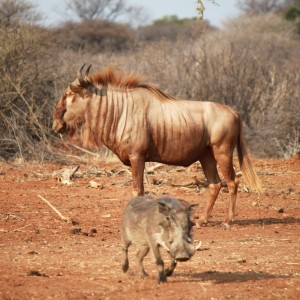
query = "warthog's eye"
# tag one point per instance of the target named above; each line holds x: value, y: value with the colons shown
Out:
x: 165, y: 224
x: 191, y: 224
x: 189, y: 240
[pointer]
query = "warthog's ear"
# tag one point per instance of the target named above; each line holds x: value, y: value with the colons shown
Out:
x: 193, y: 207
x: 164, y: 208
x: 75, y: 88
x: 164, y: 223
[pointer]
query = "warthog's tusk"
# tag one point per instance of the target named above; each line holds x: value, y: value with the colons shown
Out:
x: 198, y: 246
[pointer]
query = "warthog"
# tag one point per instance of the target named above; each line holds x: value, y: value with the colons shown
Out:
x: 153, y: 223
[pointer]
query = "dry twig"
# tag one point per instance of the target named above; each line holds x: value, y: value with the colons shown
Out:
x: 66, y: 219
x: 20, y: 229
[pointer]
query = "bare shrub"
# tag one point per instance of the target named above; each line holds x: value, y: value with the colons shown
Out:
x: 94, y: 36
x: 28, y: 75
x: 171, y: 28
x: 290, y: 145
x: 251, y: 65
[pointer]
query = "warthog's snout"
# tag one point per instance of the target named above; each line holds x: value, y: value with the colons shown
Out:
x: 186, y: 253
x: 183, y: 258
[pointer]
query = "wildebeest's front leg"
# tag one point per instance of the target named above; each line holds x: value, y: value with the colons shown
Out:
x: 137, y: 169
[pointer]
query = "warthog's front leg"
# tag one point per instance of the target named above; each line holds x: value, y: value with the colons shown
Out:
x: 162, y: 277
x: 169, y: 271
x: 142, y: 252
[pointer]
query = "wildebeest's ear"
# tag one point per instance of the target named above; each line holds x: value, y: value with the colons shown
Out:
x: 163, y: 208
x: 75, y: 88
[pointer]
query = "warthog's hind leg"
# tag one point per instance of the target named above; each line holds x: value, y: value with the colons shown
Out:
x: 125, y: 263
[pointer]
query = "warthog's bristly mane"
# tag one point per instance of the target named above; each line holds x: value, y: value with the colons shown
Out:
x: 119, y: 80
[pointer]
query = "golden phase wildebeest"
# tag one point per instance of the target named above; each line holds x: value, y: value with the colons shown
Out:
x: 140, y: 123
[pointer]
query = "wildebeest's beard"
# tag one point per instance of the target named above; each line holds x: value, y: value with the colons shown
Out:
x: 59, y: 125
x: 70, y: 128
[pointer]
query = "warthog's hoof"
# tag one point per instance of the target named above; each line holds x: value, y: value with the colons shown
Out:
x: 169, y: 272
x: 162, y: 277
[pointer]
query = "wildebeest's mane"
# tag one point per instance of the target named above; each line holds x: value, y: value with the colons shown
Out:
x: 119, y: 80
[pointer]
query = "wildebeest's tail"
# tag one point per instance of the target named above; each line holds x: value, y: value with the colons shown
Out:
x: 246, y: 165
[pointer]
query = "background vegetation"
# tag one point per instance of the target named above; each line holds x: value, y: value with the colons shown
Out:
x: 251, y: 64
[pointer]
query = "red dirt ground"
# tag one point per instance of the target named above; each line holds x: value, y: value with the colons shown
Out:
x: 42, y: 257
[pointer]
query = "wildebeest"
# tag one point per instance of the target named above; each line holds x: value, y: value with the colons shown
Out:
x: 140, y: 123
x: 153, y: 223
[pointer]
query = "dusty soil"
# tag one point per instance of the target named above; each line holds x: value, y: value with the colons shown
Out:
x: 43, y: 257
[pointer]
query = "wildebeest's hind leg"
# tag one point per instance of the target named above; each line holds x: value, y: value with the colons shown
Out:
x: 142, y: 252
x: 209, y: 166
x: 225, y: 162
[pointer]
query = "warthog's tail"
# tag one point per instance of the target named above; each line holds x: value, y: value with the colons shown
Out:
x: 246, y: 165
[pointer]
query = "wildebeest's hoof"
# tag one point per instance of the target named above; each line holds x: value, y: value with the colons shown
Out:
x: 225, y: 225
x: 201, y: 223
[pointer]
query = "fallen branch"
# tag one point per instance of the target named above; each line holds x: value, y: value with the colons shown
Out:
x: 83, y: 150
x: 153, y: 168
x: 20, y: 229
x: 66, y: 219
x: 202, y: 182
x: 67, y: 175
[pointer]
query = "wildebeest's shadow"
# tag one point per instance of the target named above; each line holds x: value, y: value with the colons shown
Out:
x: 267, y: 221
x: 260, y: 221
x: 227, y: 277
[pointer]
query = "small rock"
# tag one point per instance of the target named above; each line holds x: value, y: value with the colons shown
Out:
x: 36, y: 273
x: 242, y: 261
x: 75, y: 230
x: 93, y: 230
x: 280, y: 210
x: 254, y: 203
x: 74, y: 222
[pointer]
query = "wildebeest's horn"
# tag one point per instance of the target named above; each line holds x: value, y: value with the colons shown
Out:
x: 87, y: 70
x: 82, y: 80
